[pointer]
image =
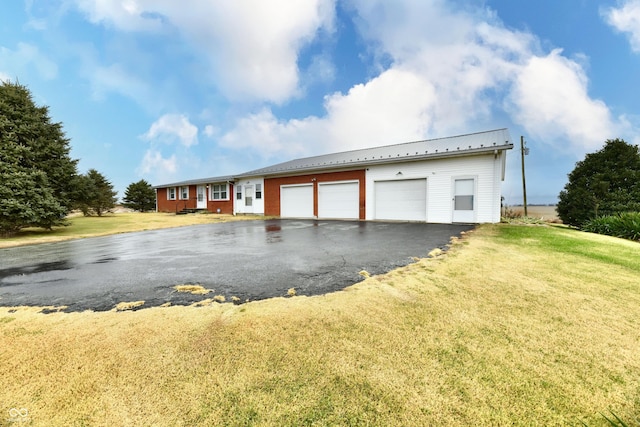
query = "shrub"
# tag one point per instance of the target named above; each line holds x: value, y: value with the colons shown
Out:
x: 625, y: 225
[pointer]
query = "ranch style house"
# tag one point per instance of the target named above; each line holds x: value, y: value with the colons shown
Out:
x: 445, y: 180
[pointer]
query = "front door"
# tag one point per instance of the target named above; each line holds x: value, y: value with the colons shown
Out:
x: 248, y: 198
x: 202, y: 197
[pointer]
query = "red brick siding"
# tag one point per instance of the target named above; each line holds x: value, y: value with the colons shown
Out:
x: 164, y: 205
x: 272, y: 188
x: 225, y: 206
x: 176, y: 205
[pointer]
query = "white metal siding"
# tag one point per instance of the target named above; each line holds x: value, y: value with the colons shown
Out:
x: 257, y: 206
x: 339, y: 200
x: 439, y: 173
x: 296, y: 201
x: 401, y: 199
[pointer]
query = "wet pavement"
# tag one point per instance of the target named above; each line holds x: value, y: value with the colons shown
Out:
x: 248, y: 260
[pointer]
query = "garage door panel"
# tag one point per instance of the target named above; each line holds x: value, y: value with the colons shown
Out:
x: 296, y: 201
x: 340, y: 200
x: 403, y: 200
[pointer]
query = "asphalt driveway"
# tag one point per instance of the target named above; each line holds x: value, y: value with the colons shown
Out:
x: 249, y: 260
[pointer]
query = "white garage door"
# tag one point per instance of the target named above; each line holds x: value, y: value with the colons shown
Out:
x: 296, y: 201
x: 339, y: 200
x: 404, y: 200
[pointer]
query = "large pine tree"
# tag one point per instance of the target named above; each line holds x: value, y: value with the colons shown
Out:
x: 606, y: 182
x: 36, y: 170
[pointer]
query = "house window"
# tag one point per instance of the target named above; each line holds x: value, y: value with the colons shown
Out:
x: 184, y: 193
x: 258, y: 191
x: 238, y: 192
x: 171, y: 193
x: 219, y: 192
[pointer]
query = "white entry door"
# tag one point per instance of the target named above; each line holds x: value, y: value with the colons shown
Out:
x: 248, y: 198
x: 201, y: 194
x: 296, y: 201
x: 464, y: 203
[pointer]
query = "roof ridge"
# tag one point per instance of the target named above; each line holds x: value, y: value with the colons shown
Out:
x: 340, y: 158
x: 390, y: 145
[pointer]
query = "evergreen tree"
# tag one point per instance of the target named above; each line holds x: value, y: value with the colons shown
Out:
x: 140, y: 196
x: 83, y: 194
x: 48, y: 148
x: 604, y: 183
x: 27, y: 198
x: 94, y: 194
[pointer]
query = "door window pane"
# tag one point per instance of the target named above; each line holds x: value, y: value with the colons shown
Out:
x: 464, y: 203
x: 463, y: 199
x: 248, y: 195
x: 464, y: 187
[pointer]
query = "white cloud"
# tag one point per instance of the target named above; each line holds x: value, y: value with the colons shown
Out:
x: 321, y: 69
x: 115, y: 78
x: 394, y: 107
x: 4, y: 77
x: 626, y: 19
x: 28, y: 57
x: 444, y: 68
x: 443, y: 72
x: 171, y: 127
x: 550, y: 100
x: 210, y: 131
x: 154, y: 163
x: 250, y: 45
x: 128, y: 15
x: 267, y: 136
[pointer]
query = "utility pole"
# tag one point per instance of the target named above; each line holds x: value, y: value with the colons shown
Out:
x: 523, y: 151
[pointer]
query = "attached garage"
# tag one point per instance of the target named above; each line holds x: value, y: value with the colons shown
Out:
x: 403, y: 200
x: 339, y: 200
x: 443, y: 180
x: 296, y: 201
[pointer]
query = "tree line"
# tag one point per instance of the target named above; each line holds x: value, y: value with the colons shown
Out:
x: 39, y: 181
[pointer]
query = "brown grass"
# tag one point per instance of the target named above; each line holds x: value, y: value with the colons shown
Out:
x: 544, y: 213
x: 504, y: 329
x: 122, y: 306
x: 81, y: 227
x: 192, y: 289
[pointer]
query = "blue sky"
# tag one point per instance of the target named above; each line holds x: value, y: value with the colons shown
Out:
x: 171, y: 90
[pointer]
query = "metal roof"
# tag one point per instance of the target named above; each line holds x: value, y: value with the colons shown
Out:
x: 460, y: 145
x: 453, y: 146
x: 212, y: 180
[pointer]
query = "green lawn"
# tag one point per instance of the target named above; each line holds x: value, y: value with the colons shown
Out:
x: 514, y: 325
